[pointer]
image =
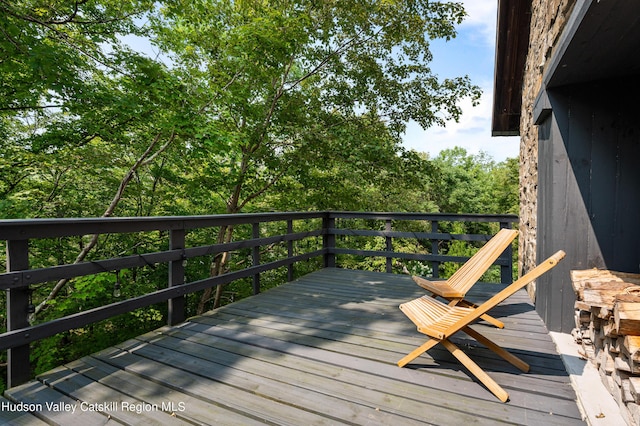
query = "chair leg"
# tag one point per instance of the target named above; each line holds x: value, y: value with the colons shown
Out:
x: 488, y: 318
x: 509, y: 357
x: 495, y: 388
x: 417, y: 352
x: 492, y: 320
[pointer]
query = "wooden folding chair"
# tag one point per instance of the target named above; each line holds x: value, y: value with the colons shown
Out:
x: 440, y: 321
x: 456, y: 287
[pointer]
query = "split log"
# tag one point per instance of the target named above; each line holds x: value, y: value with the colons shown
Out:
x: 626, y: 313
x: 584, y: 316
x: 603, y: 294
x: 580, y: 277
x: 634, y: 387
x: 581, y: 306
x: 606, y: 363
x: 621, y: 365
x: 609, y: 329
x: 607, y: 318
x: 630, y: 352
x: 631, y: 347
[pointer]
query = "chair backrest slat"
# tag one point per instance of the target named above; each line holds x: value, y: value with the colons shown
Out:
x: 469, y: 273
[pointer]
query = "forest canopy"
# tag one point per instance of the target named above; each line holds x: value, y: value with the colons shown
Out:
x: 248, y: 105
x: 237, y: 106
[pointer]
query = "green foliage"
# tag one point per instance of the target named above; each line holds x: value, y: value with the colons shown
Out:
x: 460, y: 182
x: 250, y: 106
x: 86, y: 293
x: 505, y: 186
x: 292, y: 83
x: 260, y: 101
x: 466, y: 249
x: 66, y: 347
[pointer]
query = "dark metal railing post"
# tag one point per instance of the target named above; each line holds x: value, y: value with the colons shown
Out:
x: 434, y: 251
x: 290, y: 250
x: 256, y: 258
x: 389, y: 244
x: 18, y: 365
x: 329, y: 241
x: 506, y: 271
x: 176, y: 306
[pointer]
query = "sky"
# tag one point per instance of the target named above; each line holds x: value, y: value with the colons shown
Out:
x: 471, y: 53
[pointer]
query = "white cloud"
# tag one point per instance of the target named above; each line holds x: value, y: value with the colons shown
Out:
x: 482, y: 15
x: 472, y: 132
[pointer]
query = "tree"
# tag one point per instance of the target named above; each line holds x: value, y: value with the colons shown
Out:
x: 506, y: 186
x: 279, y: 74
x: 461, y: 182
x: 83, y: 114
x: 262, y: 103
x: 467, y: 183
x: 278, y: 71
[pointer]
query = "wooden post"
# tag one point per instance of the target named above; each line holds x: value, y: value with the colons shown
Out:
x: 435, y: 273
x: 176, y: 311
x: 506, y: 271
x: 389, y: 245
x: 329, y: 241
x: 256, y: 258
x: 290, y: 250
x: 18, y: 366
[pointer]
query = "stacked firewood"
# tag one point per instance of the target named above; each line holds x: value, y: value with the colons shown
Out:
x: 608, y: 328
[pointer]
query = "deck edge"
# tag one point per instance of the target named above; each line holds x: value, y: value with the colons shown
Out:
x: 597, y: 405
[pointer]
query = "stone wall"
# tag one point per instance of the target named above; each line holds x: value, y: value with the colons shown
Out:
x: 548, y: 18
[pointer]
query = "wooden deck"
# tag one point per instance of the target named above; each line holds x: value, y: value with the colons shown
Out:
x: 320, y: 350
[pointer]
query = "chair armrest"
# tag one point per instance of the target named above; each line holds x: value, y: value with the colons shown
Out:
x: 440, y: 288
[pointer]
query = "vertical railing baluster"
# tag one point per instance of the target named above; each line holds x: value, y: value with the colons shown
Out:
x: 290, y: 250
x: 176, y: 305
x: 329, y: 241
x: 389, y: 245
x: 435, y: 265
x: 18, y: 365
x: 256, y: 258
x: 506, y: 271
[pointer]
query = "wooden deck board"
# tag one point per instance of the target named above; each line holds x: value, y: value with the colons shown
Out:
x: 200, y: 411
x: 10, y: 414
x: 399, y: 348
x: 320, y: 350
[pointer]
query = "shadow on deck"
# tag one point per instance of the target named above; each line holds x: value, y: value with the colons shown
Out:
x: 320, y: 350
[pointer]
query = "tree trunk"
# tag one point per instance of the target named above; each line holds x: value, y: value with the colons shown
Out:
x: 218, y: 267
x: 146, y: 158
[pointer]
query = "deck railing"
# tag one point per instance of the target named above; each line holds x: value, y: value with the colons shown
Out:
x: 327, y: 232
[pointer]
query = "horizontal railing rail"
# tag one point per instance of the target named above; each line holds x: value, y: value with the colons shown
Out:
x: 435, y: 237
x: 18, y: 279
x: 330, y: 226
